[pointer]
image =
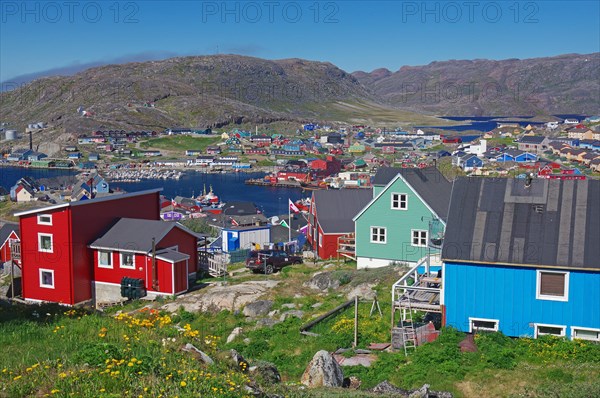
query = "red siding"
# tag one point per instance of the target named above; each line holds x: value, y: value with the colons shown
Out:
x: 186, y: 243
x: 92, y: 220
x: 73, y: 229
x: 59, y: 261
x: 181, y: 277
x: 5, y: 249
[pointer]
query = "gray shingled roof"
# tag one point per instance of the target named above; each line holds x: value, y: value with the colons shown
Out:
x: 134, y: 235
x: 532, y: 139
x: 552, y: 223
x: 429, y: 183
x: 171, y: 255
x: 337, y: 208
x: 6, y: 230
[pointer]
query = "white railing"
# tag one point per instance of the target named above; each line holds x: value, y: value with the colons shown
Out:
x: 404, y: 284
x: 217, y: 265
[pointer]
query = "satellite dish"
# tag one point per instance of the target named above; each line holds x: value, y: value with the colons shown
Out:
x: 274, y: 220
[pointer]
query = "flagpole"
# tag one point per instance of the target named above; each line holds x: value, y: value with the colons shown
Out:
x: 289, y: 222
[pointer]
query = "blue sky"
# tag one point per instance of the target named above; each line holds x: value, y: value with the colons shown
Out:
x: 60, y: 36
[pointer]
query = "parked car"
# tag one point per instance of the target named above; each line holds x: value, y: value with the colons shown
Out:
x: 269, y: 261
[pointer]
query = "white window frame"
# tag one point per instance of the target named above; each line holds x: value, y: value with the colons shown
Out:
x: 40, y: 249
x: 574, y: 328
x: 42, y: 284
x: 494, y: 329
x: 110, y: 258
x: 399, y: 200
x: 538, y: 286
x: 536, y: 334
x: 124, y: 266
x: 380, y: 242
x: 320, y: 240
x: 40, y: 222
x: 412, y: 237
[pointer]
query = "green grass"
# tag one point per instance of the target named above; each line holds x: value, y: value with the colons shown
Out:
x: 180, y: 143
x: 48, y: 348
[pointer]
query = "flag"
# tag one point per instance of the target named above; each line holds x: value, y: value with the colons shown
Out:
x: 234, y: 222
x: 284, y: 224
x: 293, y: 206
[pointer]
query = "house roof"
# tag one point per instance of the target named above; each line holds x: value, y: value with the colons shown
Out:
x: 6, y: 230
x: 135, y: 235
x: 85, y: 202
x: 279, y: 233
x: 172, y: 256
x: 553, y: 223
x: 428, y: 182
x: 532, y: 139
x: 337, y: 208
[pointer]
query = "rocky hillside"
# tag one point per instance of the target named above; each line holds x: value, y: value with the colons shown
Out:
x: 563, y: 84
x: 209, y: 91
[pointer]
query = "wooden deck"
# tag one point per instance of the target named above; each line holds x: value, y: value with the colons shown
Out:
x: 416, y: 292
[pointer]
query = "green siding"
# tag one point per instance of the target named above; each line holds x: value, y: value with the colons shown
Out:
x: 399, y: 224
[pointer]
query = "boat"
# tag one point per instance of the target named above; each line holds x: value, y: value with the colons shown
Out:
x: 209, y: 202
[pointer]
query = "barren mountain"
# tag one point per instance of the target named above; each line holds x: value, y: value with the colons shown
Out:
x: 555, y: 85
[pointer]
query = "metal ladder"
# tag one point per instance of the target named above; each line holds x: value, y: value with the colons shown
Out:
x: 408, y: 328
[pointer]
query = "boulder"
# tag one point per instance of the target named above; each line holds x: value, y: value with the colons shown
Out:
x: 234, y: 333
x: 222, y: 297
x: 198, y: 354
x: 364, y: 291
x: 257, y: 308
x: 265, y: 373
x: 352, y: 382
x: 385, y: 387
x: 422, y: 392
x: 322, y: 281
x: 323, y: 371
x: 316, y: 305
x: 287, y: 314
x: 266, y: 322
x: 288, y: 306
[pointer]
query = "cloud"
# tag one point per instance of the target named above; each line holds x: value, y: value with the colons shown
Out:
x: 76, y: 67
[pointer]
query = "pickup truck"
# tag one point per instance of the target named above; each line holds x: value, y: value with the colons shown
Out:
x: 269, y: 261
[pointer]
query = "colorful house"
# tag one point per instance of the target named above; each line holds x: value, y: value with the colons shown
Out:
x: 522, y: 257
x: 59, y: 265
x: 160, y: 253
x: 9, y: 233
x: 330, y: 217
x: 407, y: 212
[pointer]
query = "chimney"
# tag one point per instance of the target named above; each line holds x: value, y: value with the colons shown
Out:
x: 31, y: 140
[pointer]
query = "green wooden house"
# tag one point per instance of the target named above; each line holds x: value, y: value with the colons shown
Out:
x: 406, y: 218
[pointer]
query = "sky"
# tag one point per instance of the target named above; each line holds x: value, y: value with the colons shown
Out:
x: 61, y: 37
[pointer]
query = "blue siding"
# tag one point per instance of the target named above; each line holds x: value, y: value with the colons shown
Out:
x: 508, y: 294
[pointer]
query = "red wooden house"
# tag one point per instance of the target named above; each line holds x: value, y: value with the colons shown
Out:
x: 9, y: 233
x: 57, y: 263
x: 330, y: 217
x: 127, y: 250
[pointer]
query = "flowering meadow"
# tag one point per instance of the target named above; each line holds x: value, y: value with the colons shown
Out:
x: 70, y: 352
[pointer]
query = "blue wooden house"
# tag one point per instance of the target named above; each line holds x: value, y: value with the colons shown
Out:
x: 469, y: 162
x: 523, y: 257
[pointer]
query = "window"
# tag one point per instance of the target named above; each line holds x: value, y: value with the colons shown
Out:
x: 44, y: 219
x: 554, y: 330
x: 127, y: 260
x: 585, y: 333
x: 481, y: 324
x: 419, y: 238
x: 45, y: 243
x: 399, y: 201
x: 104, y: 259
x: 321, y: 240
x: 552, y: 285
x: 47, y: 278
x: 378, y: 234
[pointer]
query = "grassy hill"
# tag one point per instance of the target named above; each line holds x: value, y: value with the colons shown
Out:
x: 53, y: 350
